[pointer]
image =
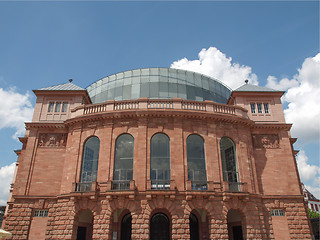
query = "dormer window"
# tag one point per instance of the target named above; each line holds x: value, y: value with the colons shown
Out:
x: 253, y: 108
x: 64, y: 107
x: 58, y: 107
x: 266, y: 108
x: 259, y: 105
x: 259, y: 108
x: 51, y: 106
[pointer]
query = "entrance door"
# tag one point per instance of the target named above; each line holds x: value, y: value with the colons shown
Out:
x: 82, y: 232
x: 159, y: 227
x: 126, y: 227
x: 194, y: 227
x: 237, y: 233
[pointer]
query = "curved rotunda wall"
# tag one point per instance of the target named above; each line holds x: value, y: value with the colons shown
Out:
x: 158, y: 83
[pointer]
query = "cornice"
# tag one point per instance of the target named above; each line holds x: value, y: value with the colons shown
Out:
x: 165, y: 113
x: 274, y: 125
x: 52, y: 125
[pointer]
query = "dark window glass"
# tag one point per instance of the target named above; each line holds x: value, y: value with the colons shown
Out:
x: 64, y: 107
x: 123, y: 162
x: 50, y: 108
x: 126, y: 227
x: 160, y: 161
x: 259, y: 105
x: 253, y: 108
x: 58, y: 107
x: 194, y: 227
x: 90, y: 160
x: 266, y: 107
x: 229, y: 164
x: 196, y: 162
x: 159, y: 227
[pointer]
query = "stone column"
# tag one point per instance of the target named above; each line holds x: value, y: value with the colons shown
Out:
x: 140, y: 221
x: 218, y: 227
x: 180, y: 227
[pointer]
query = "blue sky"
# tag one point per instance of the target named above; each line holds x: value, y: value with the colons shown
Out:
x: 46, y: 43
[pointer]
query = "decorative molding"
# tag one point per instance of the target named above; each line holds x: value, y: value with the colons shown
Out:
x: 265, y: 141
x: 52, y: 140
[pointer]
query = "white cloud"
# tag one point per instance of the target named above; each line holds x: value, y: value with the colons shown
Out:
x: 315, y: 190
x: 15, y: 109
x: 283, y: 85
x: 303, y: 101
x: 6, y: 175
x: 212, y: 62
x: 307, y: 171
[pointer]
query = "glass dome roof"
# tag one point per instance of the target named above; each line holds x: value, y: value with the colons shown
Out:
x: 158, y: 83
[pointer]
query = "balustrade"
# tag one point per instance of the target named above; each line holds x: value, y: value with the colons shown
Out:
x: 178, y: 104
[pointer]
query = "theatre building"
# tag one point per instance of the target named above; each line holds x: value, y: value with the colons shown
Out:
x: 157, y: 154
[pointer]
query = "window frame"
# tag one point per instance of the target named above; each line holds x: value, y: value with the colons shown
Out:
x: 196, y: 184
x: 119, y: 183
x: 83, y: 163
x: 164, y: 181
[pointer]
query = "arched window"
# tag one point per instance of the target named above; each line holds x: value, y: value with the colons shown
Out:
x: 234, y: 223
x: 123, y: 162
x: 196, y: 162
x: 160, y: 161
x: 90, y: 160
x: 126, y: 227
x: 229, y: 163
x: 85, y: 223
x: 194, y: 227
x: 159, y: 227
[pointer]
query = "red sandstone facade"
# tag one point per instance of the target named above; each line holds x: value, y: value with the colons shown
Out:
x: 47, y: 203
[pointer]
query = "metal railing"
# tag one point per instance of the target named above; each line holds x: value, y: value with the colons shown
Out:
x: 198, y: 179
x: 237, y: 187
x: 232, y: 178
x: 120, y: 184
x: 83, y: 187
x: 160, y: 178
x: 160, y: 184
x: 199, y: 185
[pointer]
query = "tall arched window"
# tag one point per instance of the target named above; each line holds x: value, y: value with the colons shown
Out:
x: 123, y: 162
x: 90, y: 160
x: 126, y: 227
x: 194, y: 227
x: 160, y: 161
x: 196, y: 162
x: 229, y: 163
x: 159, y: 227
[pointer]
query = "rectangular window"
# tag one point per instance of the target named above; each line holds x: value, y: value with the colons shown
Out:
x: 266, y: 108
x: 64, y: 107
x: 51, y: 105
x: 58, y: 107
x: 259, y: 105
x: 312, y: 208
x: 277, y: 212
x: 317, y: 209
x: 253, y: 108
x: 40, y: 213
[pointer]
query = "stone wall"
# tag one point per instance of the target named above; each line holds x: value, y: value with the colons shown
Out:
x: 257, y: 223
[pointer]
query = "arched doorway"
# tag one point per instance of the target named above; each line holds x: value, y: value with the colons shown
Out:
x: 84, y: 231
x: 234, y: 225
x: 194, y: 227
x: 126, y: 226
x: 159, y: 227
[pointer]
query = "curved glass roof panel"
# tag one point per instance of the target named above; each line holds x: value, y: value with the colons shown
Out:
x: 161, y: 83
